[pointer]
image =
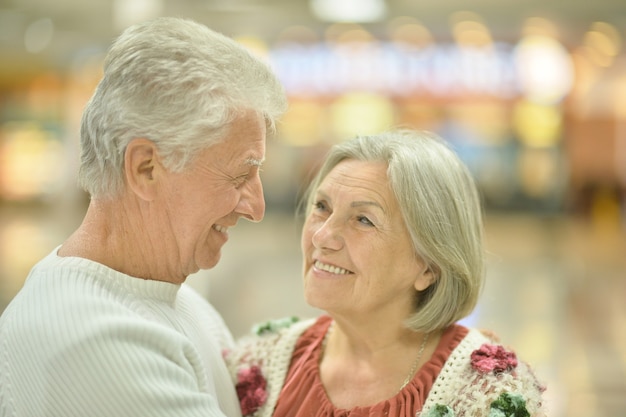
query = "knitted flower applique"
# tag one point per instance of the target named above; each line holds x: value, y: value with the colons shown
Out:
x: 493, y: 358
x: 251, y: 389
x: 509, y: 405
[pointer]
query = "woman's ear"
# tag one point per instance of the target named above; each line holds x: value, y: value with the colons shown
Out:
x: 140, y: 167
x: 425, y: 279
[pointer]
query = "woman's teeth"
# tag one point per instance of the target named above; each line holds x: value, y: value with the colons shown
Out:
x: 330, y: 268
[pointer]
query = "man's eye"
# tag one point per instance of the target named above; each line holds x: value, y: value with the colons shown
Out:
x: 239, y: 181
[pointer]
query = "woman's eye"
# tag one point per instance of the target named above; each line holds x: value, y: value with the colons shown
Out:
x: 364, y: 220
x: 319, y: 205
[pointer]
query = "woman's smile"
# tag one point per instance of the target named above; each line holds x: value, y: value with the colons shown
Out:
x: 336, y: 270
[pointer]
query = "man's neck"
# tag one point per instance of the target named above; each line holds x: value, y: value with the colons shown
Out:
x: 113, y: 233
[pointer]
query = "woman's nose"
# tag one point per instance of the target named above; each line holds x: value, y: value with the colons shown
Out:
x: 327, y: 235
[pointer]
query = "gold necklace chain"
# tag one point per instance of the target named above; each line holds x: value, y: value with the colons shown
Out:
x: 409, y: 377
x: 413, y: 367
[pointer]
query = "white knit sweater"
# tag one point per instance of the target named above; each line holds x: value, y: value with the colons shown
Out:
x: 460, y: 387
x: 81, y: 339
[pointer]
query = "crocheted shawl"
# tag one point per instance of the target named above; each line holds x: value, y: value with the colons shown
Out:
x: 479, y: 379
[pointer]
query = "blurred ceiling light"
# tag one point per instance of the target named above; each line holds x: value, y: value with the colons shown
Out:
x: 38, y: 35
x: 545, y: 69
x: 409, y: 31
x: 595, y: 54
x: 468, y: 28
x: 610, y: 32
x: 539, y: 26
x: 462, y: 15
x: 349, y: 10
x: 335, y: 32
x: 471, y: 33
x: 602, y: 44
x: 356, y: 36
x: 129, y: 12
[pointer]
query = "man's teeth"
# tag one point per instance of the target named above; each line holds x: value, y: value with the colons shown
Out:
x: 330, y: 268
x: 220, y: 229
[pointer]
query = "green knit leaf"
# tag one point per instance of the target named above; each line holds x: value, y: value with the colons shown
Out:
x: 509, y: 405
x: 439, y: 410
x: 273, y: 326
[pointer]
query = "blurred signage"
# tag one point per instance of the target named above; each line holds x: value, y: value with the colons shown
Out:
x: 397, y: 70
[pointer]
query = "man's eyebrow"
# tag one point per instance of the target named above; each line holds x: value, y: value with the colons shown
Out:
x: 254, y: 162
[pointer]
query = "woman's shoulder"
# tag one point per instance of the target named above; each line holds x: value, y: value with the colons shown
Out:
x: 482, y: 376
x: 260, y: 360
x: 264, y: 337
x: 259, y: 336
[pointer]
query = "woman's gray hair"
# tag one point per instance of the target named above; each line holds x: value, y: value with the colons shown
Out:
x: 441, y: 208
x: 177, y: 83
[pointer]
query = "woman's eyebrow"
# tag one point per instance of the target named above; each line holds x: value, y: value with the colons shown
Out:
x: 354, y: 204
x: 366, y: 203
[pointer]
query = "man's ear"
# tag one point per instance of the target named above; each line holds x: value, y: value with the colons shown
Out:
x: 141, y: 165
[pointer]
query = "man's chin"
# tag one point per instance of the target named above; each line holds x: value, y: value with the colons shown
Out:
x: 212, y: 261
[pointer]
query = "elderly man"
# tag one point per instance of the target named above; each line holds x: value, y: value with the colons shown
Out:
x: 172, y: 141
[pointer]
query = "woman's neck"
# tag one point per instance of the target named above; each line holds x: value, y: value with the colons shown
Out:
x: 362, y: 366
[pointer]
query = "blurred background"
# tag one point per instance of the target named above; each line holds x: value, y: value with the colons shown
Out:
x: 531, y: 94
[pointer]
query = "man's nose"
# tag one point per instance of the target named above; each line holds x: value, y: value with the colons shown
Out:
x: 252, y: 202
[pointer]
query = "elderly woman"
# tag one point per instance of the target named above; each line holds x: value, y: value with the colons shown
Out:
x: 172, y: 141
x: 393, y: 252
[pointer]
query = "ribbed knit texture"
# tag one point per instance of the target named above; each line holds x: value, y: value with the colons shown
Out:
x: 467, y: 392
x: 81, y: 339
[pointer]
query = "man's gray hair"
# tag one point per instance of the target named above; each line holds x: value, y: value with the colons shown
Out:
x: 177, y: 83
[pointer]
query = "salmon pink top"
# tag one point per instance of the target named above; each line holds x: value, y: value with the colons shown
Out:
x: 303, y: 394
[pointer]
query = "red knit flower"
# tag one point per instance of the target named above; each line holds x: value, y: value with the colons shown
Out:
x: 251, y: 389
x: 493, y: 358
